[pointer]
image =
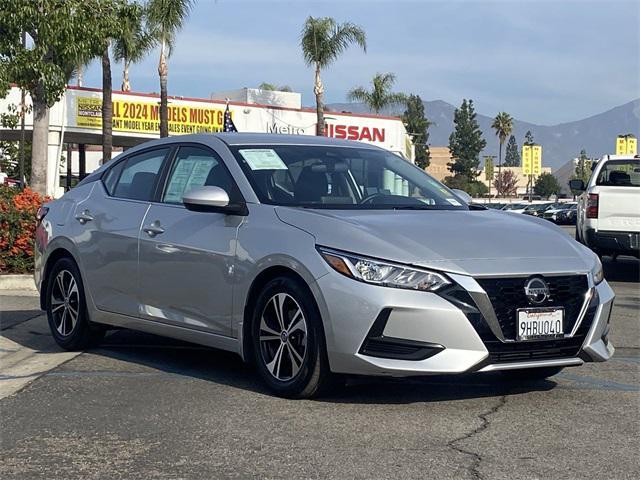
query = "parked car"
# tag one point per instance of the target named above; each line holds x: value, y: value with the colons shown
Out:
x: 495, y: 206
x: 515, y: 207
x: 538, y: 209
x: 608, y: 217
x: 551, y: 213
x: 314, y: 258
x: 567, y: 216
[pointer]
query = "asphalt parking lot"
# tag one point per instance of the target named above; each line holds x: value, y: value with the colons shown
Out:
x: 147, y: 407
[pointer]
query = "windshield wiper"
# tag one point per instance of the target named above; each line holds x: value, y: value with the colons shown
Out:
x: 414, y: 207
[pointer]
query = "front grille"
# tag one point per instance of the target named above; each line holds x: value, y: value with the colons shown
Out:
x: 507, y: 296
x: 568, y: 291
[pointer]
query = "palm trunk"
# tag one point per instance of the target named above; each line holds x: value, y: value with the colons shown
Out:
x: 318, y: 89
x: 39, y: 143
x: 107, y: 106
x: 82, y: 161
x: 164, y: 104
x: 126, y: 85
x: 500, y: 169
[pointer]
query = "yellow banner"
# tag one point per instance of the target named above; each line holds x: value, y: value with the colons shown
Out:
x: 621, y: 145
x: 536, y: 159
x: 626, y: 145
x: 144, y: 117
x: 526, y: 159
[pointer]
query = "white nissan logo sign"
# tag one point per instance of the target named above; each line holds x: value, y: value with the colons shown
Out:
x: 536, y: 290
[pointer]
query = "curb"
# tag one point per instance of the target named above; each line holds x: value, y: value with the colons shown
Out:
x: 17, y: 282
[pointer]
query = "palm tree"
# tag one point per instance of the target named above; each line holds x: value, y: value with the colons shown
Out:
x: 380, y: 96
x: 165, y: 18
x: 133, y: 43
x: 273, y: 87
x: 322, y: 41
x: 503, y: 125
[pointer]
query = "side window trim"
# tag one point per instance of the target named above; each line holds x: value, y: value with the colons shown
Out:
x: 173, y: 156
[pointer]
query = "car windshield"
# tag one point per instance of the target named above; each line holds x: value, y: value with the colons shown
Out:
x: 341, y: 178
x: 620, y: 173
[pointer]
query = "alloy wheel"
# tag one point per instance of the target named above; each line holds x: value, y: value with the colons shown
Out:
x: 283, y: 336
x: 65, y: 302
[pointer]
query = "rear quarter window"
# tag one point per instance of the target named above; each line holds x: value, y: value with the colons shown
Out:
x: 620, y: 173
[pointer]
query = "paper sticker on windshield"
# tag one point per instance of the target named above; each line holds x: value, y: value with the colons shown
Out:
x: 263, y: 159
x: 454, y: 202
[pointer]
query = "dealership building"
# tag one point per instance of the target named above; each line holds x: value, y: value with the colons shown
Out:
x: 76, y: 119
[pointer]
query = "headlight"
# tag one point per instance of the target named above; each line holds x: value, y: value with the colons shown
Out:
x: 383, y: 273
x: 597, y: 273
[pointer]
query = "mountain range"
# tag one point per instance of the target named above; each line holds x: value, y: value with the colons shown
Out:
x: 560, y: 143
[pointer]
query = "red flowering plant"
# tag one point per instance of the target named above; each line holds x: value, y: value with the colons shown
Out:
x: 18, y: 210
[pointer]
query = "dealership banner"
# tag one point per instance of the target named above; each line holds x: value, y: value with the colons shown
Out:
x: 144, y: 117
x: 136, y: 115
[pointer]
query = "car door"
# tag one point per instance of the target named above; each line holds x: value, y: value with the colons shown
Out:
x: 108, y: 226
x: 187, y: 258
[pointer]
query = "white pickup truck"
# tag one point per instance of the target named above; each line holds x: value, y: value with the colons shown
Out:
x: 608, y: 217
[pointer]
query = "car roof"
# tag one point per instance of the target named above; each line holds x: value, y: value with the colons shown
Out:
x: 258, y: 139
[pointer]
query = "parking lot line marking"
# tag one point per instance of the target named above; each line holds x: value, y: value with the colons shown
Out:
x: 602, y: 384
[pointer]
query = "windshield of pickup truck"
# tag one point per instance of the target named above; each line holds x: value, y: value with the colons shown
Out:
x: 620, y: 173
x: 317, y: 176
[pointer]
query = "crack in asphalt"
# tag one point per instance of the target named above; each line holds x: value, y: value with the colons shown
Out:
x: 477, y: 458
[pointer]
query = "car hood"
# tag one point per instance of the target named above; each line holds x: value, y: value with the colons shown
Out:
x: 474, y: 242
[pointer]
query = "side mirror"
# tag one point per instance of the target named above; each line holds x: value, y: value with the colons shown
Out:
x: 462, y: 195
x: 212, y: 199
x: 577, y: 184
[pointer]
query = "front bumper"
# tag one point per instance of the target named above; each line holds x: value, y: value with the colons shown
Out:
x: 350, y: 310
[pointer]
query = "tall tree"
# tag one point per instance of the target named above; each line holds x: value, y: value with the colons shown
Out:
x: 512, y: 155
x: 546, y: 185
x: 134, y: 42
x: 466, y: 142
x: 417, y: 126
x: 380, y: 96
x: 528, y: 138
x: 583, y: 169
x: 503, y: 125
x: 323, y: 40
x: 60, y: 33
x: 165, y: 19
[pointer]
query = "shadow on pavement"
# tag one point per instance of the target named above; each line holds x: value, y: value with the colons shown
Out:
x: 166, y: 357
x: 623, y: 269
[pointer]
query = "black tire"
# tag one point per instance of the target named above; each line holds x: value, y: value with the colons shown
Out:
x: 528, y: 374
x: 69, y: 334
x: 312, y: 377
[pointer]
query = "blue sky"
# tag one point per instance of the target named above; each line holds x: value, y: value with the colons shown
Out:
x: 545, y: 61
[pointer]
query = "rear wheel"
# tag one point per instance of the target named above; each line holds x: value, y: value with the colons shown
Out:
x: 288, y: 341
x: 67, y: 310
x: 531, y: 373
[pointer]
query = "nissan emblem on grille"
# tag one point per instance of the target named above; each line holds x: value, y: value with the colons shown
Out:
x: 536, y: 290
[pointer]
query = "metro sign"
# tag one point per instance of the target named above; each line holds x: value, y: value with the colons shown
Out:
x: 355, y: 132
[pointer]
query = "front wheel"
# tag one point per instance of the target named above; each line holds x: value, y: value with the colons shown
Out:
x: 288, y: 341
x: 67, y: 310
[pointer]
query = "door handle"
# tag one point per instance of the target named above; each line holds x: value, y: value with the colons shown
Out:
x: 153, y: 229
x: 84, y: 217
x: 167, y: 248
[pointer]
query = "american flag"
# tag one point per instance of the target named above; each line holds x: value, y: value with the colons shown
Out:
x: 228, y: 122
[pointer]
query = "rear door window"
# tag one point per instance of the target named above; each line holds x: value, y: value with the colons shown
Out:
x: 137, y: 176
x: 620, y: 173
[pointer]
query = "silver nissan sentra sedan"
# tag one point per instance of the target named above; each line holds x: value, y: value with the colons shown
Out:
x: 313, y: 258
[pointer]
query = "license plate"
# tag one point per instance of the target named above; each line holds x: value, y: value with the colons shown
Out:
x: 536, y: 323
